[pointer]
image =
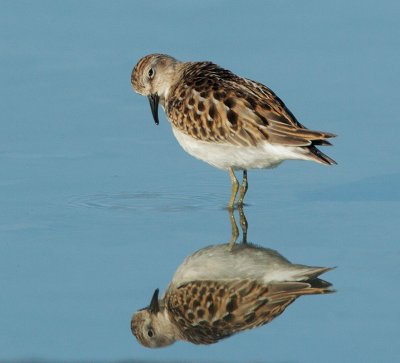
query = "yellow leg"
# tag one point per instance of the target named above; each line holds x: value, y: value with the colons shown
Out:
x: 235, y: 188
x: 243, y: 188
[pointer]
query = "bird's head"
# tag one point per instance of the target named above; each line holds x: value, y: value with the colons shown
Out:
x: 152, y: 77
x: 152, y: 327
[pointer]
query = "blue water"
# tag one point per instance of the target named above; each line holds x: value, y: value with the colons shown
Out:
x: 99, y: 206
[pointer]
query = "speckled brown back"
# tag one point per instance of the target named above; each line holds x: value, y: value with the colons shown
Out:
x: 207, y: 311
x: 210, y: 103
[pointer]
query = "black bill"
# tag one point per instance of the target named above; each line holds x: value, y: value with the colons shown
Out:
x: 154, y: 306
x: 153, y: 99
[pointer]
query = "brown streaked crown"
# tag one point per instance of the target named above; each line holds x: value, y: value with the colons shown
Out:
x: 153, y: 330
x: 140, y: 79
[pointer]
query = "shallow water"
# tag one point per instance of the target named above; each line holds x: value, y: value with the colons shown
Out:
x: 100, y: 206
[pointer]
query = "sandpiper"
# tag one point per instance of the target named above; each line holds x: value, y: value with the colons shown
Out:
x: 230, y: 122
x: 221, y: 290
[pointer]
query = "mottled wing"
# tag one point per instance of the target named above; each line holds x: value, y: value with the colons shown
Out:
x: 207, y: 311
x: 281, y: 125
x: 210, y: 103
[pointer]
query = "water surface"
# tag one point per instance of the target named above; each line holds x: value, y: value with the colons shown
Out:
x: 99, y: 206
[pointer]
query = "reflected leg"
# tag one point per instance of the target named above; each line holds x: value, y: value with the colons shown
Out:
x: 243, y: 188
x: 243, y: 223
x: 235, y: 229
x: 235, y: 187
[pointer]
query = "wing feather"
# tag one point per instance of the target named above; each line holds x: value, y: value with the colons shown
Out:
x: 212, y: 104
x: 207, y: 311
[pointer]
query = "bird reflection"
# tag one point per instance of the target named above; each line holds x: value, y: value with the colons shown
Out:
x: 224, y: 289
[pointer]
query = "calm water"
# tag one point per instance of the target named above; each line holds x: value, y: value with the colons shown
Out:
x: 99, y: 206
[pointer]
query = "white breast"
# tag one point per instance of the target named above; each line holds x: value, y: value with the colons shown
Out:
x: 224, y: 155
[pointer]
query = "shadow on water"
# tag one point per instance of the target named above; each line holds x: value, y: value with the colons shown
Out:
x: 224, y: 289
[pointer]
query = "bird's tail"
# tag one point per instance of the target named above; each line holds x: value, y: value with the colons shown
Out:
x: 318, y: 156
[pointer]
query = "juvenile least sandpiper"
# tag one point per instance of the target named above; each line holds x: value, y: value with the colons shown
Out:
x: 230, y: 122
x: 222, y: 290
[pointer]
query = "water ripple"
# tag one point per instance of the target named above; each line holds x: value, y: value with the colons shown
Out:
x: 149, y: 201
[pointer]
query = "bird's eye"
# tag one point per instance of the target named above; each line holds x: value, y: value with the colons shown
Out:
x: 150, y: 333
x: 151, y: 73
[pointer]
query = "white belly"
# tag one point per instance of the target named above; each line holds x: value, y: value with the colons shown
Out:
x: 224, y: 155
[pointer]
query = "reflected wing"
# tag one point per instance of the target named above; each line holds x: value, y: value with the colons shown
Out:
x: 207, y: 311
x: 213, y: 104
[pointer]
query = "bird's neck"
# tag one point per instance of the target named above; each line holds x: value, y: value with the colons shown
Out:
x: 167, y: 325
x: 171, y: 77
